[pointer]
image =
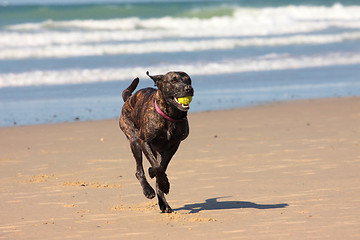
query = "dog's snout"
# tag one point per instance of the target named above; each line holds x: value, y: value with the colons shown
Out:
x: 189, y: 89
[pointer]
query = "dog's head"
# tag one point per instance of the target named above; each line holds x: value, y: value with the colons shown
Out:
x: 174, y: 85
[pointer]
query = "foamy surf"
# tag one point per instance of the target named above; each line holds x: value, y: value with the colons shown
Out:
x: 80, y: 50
x: 289, y: 25
x: 269, y: 62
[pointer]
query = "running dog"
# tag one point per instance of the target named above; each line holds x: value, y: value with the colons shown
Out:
x: 155, y: 122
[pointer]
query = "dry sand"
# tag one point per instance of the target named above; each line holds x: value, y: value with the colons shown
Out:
x: 281, y: 171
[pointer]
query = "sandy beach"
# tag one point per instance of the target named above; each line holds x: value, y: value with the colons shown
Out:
x: 287, y: 170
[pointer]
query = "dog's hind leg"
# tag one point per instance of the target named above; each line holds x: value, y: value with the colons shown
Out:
x: 140, y: 174
x: 132, y: 134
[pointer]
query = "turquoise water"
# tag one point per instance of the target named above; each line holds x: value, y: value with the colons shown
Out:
x: 62, y: 61
x: 13, y: 12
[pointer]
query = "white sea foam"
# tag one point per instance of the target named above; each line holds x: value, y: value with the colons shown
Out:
x: 77, y: 50
x: 246, y: 27
x: 264, y: 63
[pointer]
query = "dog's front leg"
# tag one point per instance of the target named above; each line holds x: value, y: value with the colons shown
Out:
x: 157, y: 169
x: 163, y: 204
x: 165, y: 159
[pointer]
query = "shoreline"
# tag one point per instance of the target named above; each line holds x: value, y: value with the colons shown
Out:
x: 284, y: 170
x: 251, y: 105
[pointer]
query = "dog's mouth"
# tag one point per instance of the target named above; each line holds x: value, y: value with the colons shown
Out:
x: 183, y: 103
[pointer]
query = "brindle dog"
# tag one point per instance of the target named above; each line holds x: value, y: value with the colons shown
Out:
x: 155, y: 123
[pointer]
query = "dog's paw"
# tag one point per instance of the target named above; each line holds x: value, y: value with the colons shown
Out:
x: 156, y: 171
x: 166, y: 209
x: 163, y: 205
x: 163, y: 183
x: 151, y: 172
x: 148, y: 191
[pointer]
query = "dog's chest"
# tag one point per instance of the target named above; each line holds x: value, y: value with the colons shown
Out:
x: 171, y: 132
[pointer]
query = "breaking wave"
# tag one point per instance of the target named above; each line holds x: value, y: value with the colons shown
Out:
x: 241, y: 28
x: 264, y: 63
x: 78, y: 50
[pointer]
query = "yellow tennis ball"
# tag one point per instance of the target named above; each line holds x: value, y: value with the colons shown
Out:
x: 185, y: 100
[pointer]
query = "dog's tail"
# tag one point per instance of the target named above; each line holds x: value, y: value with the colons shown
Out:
x: 128, y: 91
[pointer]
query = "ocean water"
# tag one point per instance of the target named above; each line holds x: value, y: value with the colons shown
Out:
x: 70, y: 60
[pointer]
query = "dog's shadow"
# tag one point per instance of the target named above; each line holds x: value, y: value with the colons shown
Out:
x: 214, y: 204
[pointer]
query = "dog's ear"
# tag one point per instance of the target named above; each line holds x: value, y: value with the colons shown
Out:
x: 156, y: 78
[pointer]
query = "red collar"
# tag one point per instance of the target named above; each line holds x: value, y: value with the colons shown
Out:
x: 166, y: 116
